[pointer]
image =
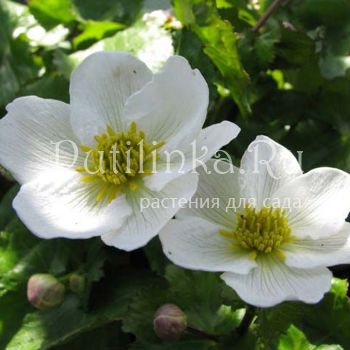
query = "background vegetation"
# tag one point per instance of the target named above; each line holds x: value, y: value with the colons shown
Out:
x: 289, y: 80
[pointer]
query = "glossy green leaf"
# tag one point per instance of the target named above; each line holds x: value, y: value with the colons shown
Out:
x: 52, y: 12
x: 94, y: 31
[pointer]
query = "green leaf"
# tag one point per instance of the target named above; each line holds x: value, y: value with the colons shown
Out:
x: 147, y: 40
x: 124, y: 11
x: 265, y: 47
x: 184, y: 12
x: 8, y: 81
x: 190, y: 46
x: 333, y: 13
x: 13, y: 307
x: 324, y: 323
x: 31, y: 256
x: 94, y: 31
x: 220, y: 45
x: 296, y: 340
x: 15, y: 241
x: 6, y: 211
x: 49, y: 86
x: 179, y: 345
x: 42, y: 330
x: 65, y: 64
x: 294, y: 46
x: 331, y: 318
x: 157, y: 259
x: 50, y: 13
x: 139, y: 319
x: 203, y: 302
x: 17, y: 64
x: 333, y: 66
x: 141, y: 40
x: 21, y: 255
x: 109, y: 336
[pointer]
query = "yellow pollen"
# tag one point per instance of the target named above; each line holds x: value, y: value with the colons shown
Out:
x: 119, y: 159
x: 260, y: 232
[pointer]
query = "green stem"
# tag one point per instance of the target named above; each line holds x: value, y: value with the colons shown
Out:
x: 65, y: 278
x: 201, y: 334
x: 247, y: 320
x: 267, y: 15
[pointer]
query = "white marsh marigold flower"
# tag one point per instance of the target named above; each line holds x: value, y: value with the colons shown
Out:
x: 121, y: 120
x: 272, y: 231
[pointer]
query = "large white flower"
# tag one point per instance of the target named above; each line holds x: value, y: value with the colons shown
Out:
x: 274, y: 230
x: 116, y: 103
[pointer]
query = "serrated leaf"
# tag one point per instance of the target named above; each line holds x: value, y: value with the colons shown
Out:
x: 139, y: 320
x: 220, y: 45
x: 295, y: 339
x: 43, y: 330
x: 203, y: 302
x: 265, y: 47
x: 324, y: 323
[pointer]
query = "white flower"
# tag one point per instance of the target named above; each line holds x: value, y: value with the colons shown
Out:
x: 113, y: 97
x: 287, y: 227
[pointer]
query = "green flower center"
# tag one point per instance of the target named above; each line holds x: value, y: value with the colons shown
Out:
x: 119, y: 159
x: 261, y: 232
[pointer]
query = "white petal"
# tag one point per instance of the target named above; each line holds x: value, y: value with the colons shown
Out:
x: 215, y: 188
x: 196, y: 244
x: 173, y: 105
x: 58, y: 204
x: 28, y: 134
x: 328, y: 251
x: 274, y: 282
x: 267, y: 166
x: 144, y: 224
x: 320, y: 202
x: 99, y: 88
x: 185, y: 159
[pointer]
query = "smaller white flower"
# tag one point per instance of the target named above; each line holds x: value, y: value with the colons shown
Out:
x: 274, y: 230
x: 116, y: 105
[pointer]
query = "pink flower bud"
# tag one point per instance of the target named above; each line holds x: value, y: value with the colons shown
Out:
x: 44, y: 291
x: 169, y: 322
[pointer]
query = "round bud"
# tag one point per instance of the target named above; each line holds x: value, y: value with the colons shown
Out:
x: 77, y: 283
x: 44, y: 291
x: 169, y: 322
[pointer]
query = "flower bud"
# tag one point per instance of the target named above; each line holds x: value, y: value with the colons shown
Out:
x: 169, y: 322
x: 76, y: 283
x: 44, y: 291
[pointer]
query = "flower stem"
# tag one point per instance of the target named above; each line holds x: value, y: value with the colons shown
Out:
x: 267, y: 15
x: 247, y: 320
x: 201, y: 334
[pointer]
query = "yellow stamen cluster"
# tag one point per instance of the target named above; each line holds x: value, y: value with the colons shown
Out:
x: 119, y: 158
x: 261, y: 232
